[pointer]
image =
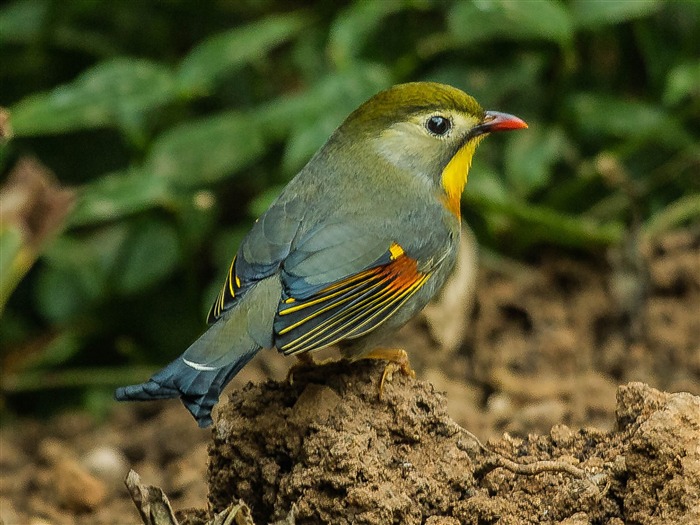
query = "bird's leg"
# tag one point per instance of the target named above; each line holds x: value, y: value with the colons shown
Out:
x: 398, y: 360
x: 303, y: 360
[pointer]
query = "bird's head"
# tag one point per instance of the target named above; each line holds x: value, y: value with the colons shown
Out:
x: 428, y: 129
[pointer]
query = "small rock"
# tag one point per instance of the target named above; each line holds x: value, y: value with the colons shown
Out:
x: 664, y: 456
x: 107, y: 463
x: 500, y: 406
x: 77, y: 489
x: 8, y: 515
x: 51, y: 450
x: 636, y: 400
x: 315, y: 403
x: 12, y: 456
x: 562, y: 436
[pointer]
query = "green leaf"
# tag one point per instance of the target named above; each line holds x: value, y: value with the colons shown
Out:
x: 501, y: 83
x: 6, y: 151
x: 116, y: 195
x: 683, y: 210
x: 356, y: 23
x: 342, y: 91
x: 205, y: 64
x: 599, y: 116
x: 472, y: 23
x: 306, y: 139
x: 310, y: 118
x: 529, y: 157
x: 149, y: 254
x: 40, y: 380
x: 76, y: 270
x: 57, y: 350
x: 12, y: 254
x: 196, y: 217
x: 112, y: 93
x: 205, y: 151
x: 21, y: 21
x: 535, y: 224
x: 226, y: 243
x: 593, y: 14
x: 529, y: 223
x: 683, y: 81
x: 63, y: 294
x: 484, y: 183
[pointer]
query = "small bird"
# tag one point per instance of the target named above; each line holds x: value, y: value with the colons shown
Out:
x: 357, y: 243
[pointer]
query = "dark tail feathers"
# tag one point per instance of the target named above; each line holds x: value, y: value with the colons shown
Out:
x: 203, y: 370
x: 198, y: 386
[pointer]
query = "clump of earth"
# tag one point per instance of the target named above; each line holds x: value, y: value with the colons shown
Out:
x: 325, y: 449
x: 529, y: 359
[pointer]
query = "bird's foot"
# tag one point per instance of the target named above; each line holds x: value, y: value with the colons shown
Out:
x: 398, y: 360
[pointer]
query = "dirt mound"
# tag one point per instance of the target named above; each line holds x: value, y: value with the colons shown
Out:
x: 549, y: 344
x: 543, y: 345
x: 328, y: 450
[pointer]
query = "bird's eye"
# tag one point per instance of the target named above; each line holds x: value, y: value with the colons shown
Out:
x: 438, y: 125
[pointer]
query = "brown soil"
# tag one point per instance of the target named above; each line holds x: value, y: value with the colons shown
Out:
x: 327, y: 448
x: 544, y: 347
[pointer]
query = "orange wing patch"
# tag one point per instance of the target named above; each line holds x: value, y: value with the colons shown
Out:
x: 348, y: 308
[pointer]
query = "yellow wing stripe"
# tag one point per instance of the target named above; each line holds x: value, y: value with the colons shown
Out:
x: 296, y: 345
x: 229, y: 281
x: 292, y: 346
x: 222, y: 300
x: 227, y: 291
x: 405, y: 295
x: 353, y: 279
x: 380, y: 308
x: 396, y: 252
x: 329, y: 307
x: 343, y: 284
x: 378, y: 304
x: 377, y: 290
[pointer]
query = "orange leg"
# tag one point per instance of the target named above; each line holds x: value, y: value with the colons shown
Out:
x: 398, y: 360
x: 305, y: 360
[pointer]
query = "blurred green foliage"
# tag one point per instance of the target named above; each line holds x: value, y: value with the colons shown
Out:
x: 177, y: 122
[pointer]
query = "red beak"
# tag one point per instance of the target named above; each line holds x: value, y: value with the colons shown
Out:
x: 497, y: 121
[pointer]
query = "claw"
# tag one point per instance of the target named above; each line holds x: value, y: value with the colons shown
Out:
x: 305, y: 360
x: 302, y: 361
x: 398, y: 360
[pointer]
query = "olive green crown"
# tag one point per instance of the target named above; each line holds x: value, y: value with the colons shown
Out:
x: 403, y: 100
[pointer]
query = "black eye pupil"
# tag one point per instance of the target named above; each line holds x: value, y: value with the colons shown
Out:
x: 438, y: 125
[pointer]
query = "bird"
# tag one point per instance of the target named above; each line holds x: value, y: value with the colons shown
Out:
x: 356, y: 244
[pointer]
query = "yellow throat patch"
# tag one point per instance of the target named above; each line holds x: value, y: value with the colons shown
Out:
x: 454, y: 176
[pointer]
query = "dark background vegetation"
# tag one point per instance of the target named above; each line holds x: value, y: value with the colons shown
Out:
x: 176, y: 123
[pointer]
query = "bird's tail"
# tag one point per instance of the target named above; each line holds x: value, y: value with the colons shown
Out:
x: 197, y: 384
x: 199, y: 375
